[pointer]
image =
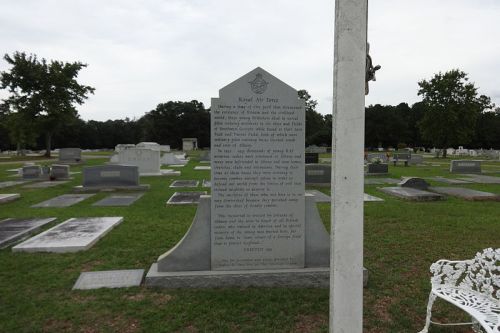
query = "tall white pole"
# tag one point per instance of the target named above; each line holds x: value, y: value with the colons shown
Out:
x: 346, y: 257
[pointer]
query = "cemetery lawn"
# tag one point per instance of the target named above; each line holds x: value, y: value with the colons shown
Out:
x: 401, y: 240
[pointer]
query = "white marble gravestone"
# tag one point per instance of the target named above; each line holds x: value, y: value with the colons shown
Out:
x: 147, y: 160
x: 109, y: 279
x: 257, y: 147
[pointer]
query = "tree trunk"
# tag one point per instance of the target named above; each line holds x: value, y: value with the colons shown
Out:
x: 48, y: 139
x: 444, y: 152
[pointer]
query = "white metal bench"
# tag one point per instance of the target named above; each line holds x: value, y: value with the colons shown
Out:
x: 473, y: 286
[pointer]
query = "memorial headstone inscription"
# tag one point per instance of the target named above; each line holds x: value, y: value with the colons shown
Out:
x: 258, y: 228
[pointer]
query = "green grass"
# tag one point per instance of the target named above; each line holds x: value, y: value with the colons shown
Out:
x: 401, y: 240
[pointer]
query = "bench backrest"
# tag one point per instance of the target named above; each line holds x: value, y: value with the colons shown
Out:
x: 481, y: 274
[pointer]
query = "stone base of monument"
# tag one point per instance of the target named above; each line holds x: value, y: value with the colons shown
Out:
x: 188, y: 264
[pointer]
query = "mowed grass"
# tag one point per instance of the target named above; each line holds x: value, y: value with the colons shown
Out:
x: 401, y: 240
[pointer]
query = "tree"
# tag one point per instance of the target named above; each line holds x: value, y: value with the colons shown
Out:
x: 316, y: 131
x: 452, y: 107
x: 44, y: 91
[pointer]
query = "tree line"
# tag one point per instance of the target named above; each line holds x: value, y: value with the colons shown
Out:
x: 40, y: 113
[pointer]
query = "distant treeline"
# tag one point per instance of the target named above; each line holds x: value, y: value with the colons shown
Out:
x: 386, y: 126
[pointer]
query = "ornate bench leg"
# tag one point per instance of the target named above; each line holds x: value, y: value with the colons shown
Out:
x: 432, y: 298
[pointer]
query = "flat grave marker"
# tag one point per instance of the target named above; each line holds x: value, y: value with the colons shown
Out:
x: 116, y: 200
x: 8, y: 197
x: 16, y: 229
x: 184, y: 183
x: 377, y: 181
x: 203, y: 167
x: 481, y: 179
x: 412, y: 194
x: 319, y: 196
x: 64, y: 200
x: 109, y: 279
x: 206, y: 183
x: 75, y: 234
x: 185, y: 198
x: 449, y: 180
x: 11, y: 183
x: 371, y: 198
x: 46, y: 184
x: 466, y: 193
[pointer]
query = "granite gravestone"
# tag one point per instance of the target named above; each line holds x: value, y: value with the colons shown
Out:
x: 466, y: 193
x: 8, y: 197
x: 15, y: 229
x: 148, y: 161
x: 412, y: 194
x: 58, y: 171
x: 185, y: 198
x: 377, y: 168
x: 109, y: 279
x: 171, y: 159
x: 259, y: 228
x: 185, y: 183
x: 64, y: 200
x: 414, y: 182
x: 105, y: 177
x: 31, y: 172
x: 465, y: 166
x: 76, y: 234
x: 258, y: 180
x: 416, y: 159
x: 404, y: 157
x: 318, y: 174
x: 116, y: 200
x: 374, y: 157
x: 70, y: 155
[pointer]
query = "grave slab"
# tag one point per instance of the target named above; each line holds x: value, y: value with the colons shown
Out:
x: 13, y: 229
x: 449, y: 180
x: 481, y: 179
x: 466, y: 193
x: 371, y: 198
x: 8, y: 197
x: 109, y: 279
x: 11, y: 183
x: 119, y: 200
x: 185, y: 198
x: 168, y: 172
x: 414, y: 182
x: 203, y: 167
x: 206, y: 183
x: 319, y: 196
x: 75, y: 234
x: 412, y: 194
x: 46, y: 184
x: 184, y: 183
x: 64, y: 200
x: 377, y: 181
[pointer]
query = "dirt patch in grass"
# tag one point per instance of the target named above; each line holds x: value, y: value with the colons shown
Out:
x: 82, y: 299
x: 188, y: 329
x: 88, y: 266
x: 161, y: 299
x: 381, y: 308
x: 136, y: 297
x: 116, y: 324
x: 56, y: 325
x: 310, y: 323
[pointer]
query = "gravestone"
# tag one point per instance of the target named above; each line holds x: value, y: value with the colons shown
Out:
x: 377, y: 168
x: 75, y: 234
x: 58, y: 171
x: 203, y: 167
x: 414, y: 182
x: 109, y: 279
x: 16, y: 229
x: 412, y: 194
x: 318, y: 174
x: 370, y: 198
x: 416, y: 159
x: 148, y: 161
x: 205, y: 157
x: 116, y: 200
x: 466, y: 193
x: 404, y: 157
x: 189, y: 144
x: 373, y: 157
x: 206, y: 183
x: 11, y: 183
x: 171, y: 159
x: 64, y: 200
x: 449, y: 180
x: 482, y: 179
x: 184, y: 183
x: 70, y: 155
x: 258, y: 228
x: 377, y: 181
x: 185, y: 198
x: 31, y: 172
x: 465, y: 166
x: 111, y: 177
x: 312, y: 158
x: 8, y: 197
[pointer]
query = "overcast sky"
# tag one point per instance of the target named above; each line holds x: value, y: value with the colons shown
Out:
x: 141, y: 53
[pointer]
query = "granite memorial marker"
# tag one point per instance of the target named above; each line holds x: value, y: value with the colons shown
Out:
x: 16, y: 229
x: 70, y: 155
x: 465, y: 166
x: 466, y: 193
x: 116, y: 200
x: 64, y: 200
x: 75, y: 234
x: 109, y: 279
x: 58, y: 171
x: 148, y: 161
x: 109, y: 177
